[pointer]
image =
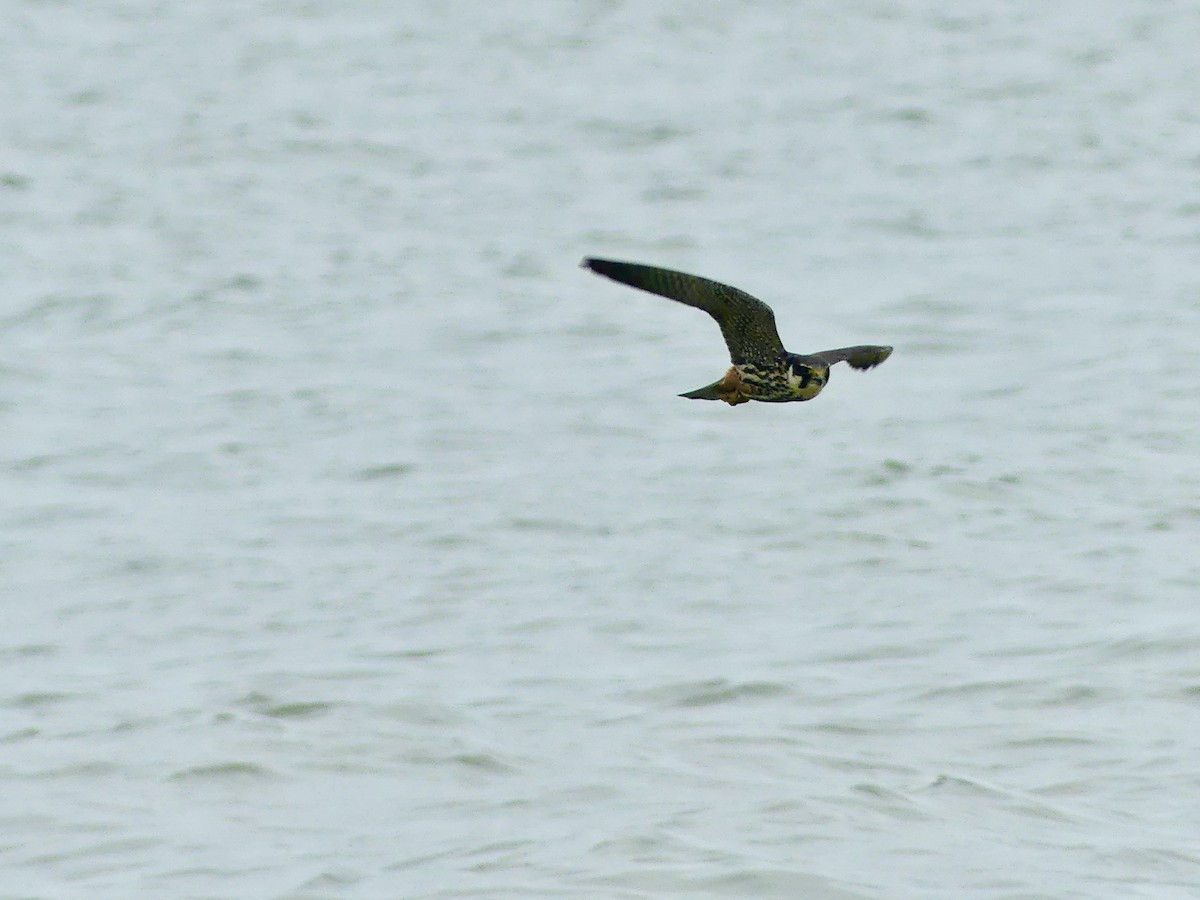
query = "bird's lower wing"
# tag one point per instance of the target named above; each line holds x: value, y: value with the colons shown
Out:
x: 747, y: 323
x: 865, y: 357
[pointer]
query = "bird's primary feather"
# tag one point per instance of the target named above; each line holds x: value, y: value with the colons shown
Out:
x: 862, y: 357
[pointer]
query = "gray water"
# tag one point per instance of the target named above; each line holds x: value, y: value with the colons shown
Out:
x: 353, y: 541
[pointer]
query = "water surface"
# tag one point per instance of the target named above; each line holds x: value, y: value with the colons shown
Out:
x: 355, y: 543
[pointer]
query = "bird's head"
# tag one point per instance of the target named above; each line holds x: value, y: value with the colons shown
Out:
x: 808, y: 370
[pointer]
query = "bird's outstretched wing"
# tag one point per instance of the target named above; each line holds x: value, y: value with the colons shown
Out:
x: 747, y: 323
x: 858, y: 357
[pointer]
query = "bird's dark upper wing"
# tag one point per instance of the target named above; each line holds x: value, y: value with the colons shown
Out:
x: 858, y: 357
x: 746, y: 322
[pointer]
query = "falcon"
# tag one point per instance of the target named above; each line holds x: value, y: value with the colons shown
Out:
x: 762, y: 369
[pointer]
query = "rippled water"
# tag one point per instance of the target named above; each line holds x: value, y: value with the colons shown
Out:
x: 355, y: 543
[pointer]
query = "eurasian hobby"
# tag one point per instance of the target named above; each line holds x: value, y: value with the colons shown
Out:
x: 762, y: 369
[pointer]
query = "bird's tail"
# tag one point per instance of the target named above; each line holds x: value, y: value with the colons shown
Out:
x: 705, y: 393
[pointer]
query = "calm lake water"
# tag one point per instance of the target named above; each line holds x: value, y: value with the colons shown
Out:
x: 353, y: 541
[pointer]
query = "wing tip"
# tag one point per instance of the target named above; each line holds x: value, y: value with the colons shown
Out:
x: 878, y: 357
x: 600, y: 266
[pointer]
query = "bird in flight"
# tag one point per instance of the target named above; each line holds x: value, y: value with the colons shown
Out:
x: 762, y: 369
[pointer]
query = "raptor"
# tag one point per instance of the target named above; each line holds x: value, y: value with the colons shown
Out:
x: 762, y: 369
